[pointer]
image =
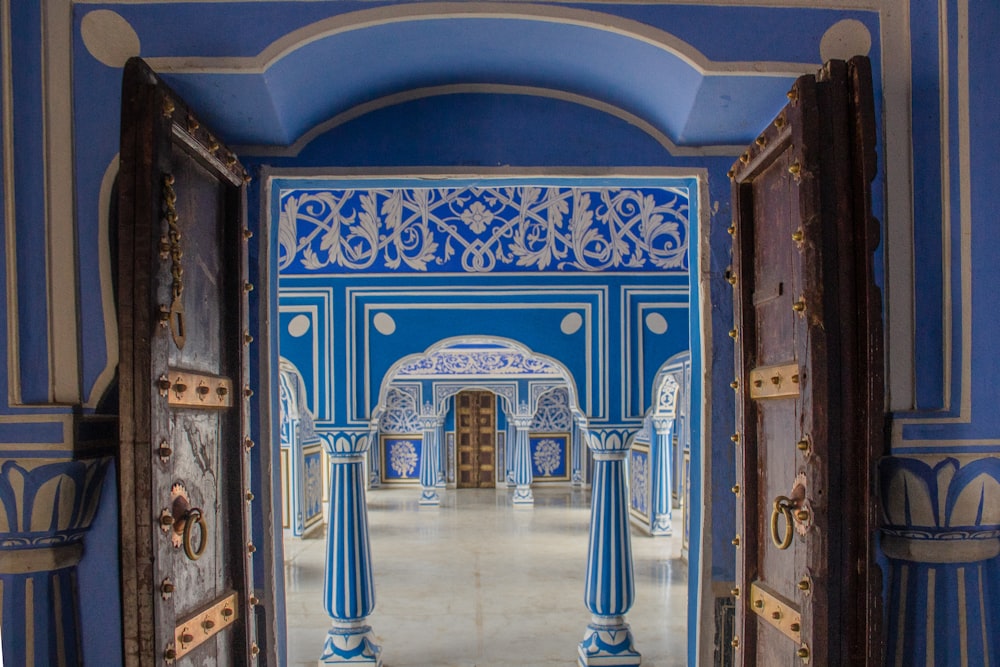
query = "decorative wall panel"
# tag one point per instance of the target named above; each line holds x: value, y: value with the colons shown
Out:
x: 553, y: 413
x: 401, y: 414
x: 401, y: 458
x: 549, y: 454
x: 483, y: 230
x: 639, y: 483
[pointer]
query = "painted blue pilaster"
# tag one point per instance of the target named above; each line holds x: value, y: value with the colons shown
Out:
x: 39, y: 554
x: 349, y: 591
x: 374, y: 460
x: 429, y: 462
x: 576, y: 456
x: 661, y: 506
x: 509, y: 453
x: 610, y: 585
x: 942, y: 540
x: 522, y: 462
x: 442, y: 455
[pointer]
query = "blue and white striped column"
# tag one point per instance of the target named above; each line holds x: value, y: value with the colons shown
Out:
x: 662, y: 505
x: 522, y: 462
x: 610, y: 586
x: 942, y: 539
x: 48, y: 506
x: 349, y: 592
x: 429, y: 462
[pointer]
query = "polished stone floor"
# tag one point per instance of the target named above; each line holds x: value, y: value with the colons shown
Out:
x: 477, y: 583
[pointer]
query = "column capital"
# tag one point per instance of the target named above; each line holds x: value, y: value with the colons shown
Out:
x: 611, y: 441
x: 940, y: 508
x: 430, y: 422
x: 30, y: 488
x: 345, y: 443
x: 41, y: 543
x: 662, y: 424
x: 522, y: 421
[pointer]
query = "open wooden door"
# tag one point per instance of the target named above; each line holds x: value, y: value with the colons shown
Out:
x: 186, y: 545
x: 809, y: 379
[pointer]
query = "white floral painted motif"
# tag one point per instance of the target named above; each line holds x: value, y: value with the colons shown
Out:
x: 477, y: 217
x: 480, y: 230
x: 548, y: 456
x: 403, y: 458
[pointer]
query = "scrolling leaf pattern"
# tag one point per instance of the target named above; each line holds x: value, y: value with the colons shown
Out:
x: 483, y: 229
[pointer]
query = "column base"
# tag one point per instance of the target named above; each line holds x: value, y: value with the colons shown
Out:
x: 608, y: 641
x: 429, y: 497
x: 350, y: 644
x: 523, y: 497
x: 662, y: 526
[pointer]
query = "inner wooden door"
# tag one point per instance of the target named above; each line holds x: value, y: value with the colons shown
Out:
x: 809, y: 380
x: 475, y: 432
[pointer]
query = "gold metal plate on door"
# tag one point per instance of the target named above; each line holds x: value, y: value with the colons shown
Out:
x: 201, y: 627
x: 185, y: 389
x: 779, y: 381
x: 776, y: 611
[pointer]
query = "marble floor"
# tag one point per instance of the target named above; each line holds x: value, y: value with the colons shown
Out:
x: 477, y: 583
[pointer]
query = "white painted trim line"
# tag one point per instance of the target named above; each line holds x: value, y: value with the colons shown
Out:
x: 105, y: 270
x: 871, y: 5
x: 60, y: 228
x: 965, y: 205
x: 706, y: 596
x: 899, y: 297
x: 944, y: 102
x: 10, y: 211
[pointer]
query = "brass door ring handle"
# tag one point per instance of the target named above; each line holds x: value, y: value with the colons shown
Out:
x: 194, y: 516
x: 782, y: 506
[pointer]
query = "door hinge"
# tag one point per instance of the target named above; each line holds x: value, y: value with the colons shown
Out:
x: 779, y: 381
x: 776, y: 611
x: 201, y: 627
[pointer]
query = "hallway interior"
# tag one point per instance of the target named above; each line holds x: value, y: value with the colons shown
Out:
x: 477, y: 583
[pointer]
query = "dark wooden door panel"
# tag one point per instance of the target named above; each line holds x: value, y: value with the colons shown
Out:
x: 183, y: 472
x: 476, y: 434
x: 809, y: 379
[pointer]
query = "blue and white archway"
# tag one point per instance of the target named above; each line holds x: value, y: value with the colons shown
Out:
x: 520, y: 378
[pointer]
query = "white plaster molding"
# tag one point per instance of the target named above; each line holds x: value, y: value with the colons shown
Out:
x: 10, y: 213
x: 430, y: 11
x: 786, y: 4
x: 359, y: 110
x: 109, y: 37
x: 964, y: 220
x: 898, y: 224
x: 60, y: 229
x: 105, y: 271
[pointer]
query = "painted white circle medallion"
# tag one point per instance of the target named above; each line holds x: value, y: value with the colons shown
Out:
x: 844, y: 39
x: 571, y: 324
x: 299, y: 326
x: 384, y: 324
x: 656, y: 323
x: 109, y: 37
